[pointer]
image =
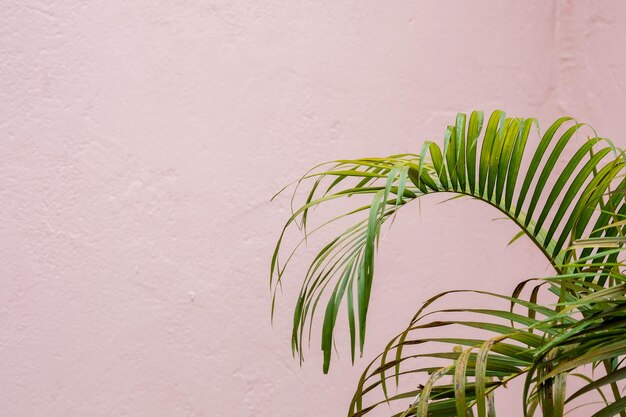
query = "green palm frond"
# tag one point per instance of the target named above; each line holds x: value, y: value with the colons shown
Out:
x: 543, y: 346
x: 574, y: 212
x: 503, y: 354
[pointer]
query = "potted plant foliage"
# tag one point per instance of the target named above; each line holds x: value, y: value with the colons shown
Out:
x: 566, y: 195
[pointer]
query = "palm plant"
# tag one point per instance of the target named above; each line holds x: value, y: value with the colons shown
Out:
x: 574, y: 212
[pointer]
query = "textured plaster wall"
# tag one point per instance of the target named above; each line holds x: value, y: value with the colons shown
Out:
x: 141, y: 141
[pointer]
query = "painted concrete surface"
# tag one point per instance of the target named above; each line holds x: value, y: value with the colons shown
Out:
x: 141, y: 142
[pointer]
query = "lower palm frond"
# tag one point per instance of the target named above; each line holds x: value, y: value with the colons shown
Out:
x: 460, y: 374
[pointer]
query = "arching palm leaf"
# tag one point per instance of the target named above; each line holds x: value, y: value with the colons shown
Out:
x: 555, y: 206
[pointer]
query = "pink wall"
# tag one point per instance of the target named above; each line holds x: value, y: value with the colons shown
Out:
x: 141, y: 142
